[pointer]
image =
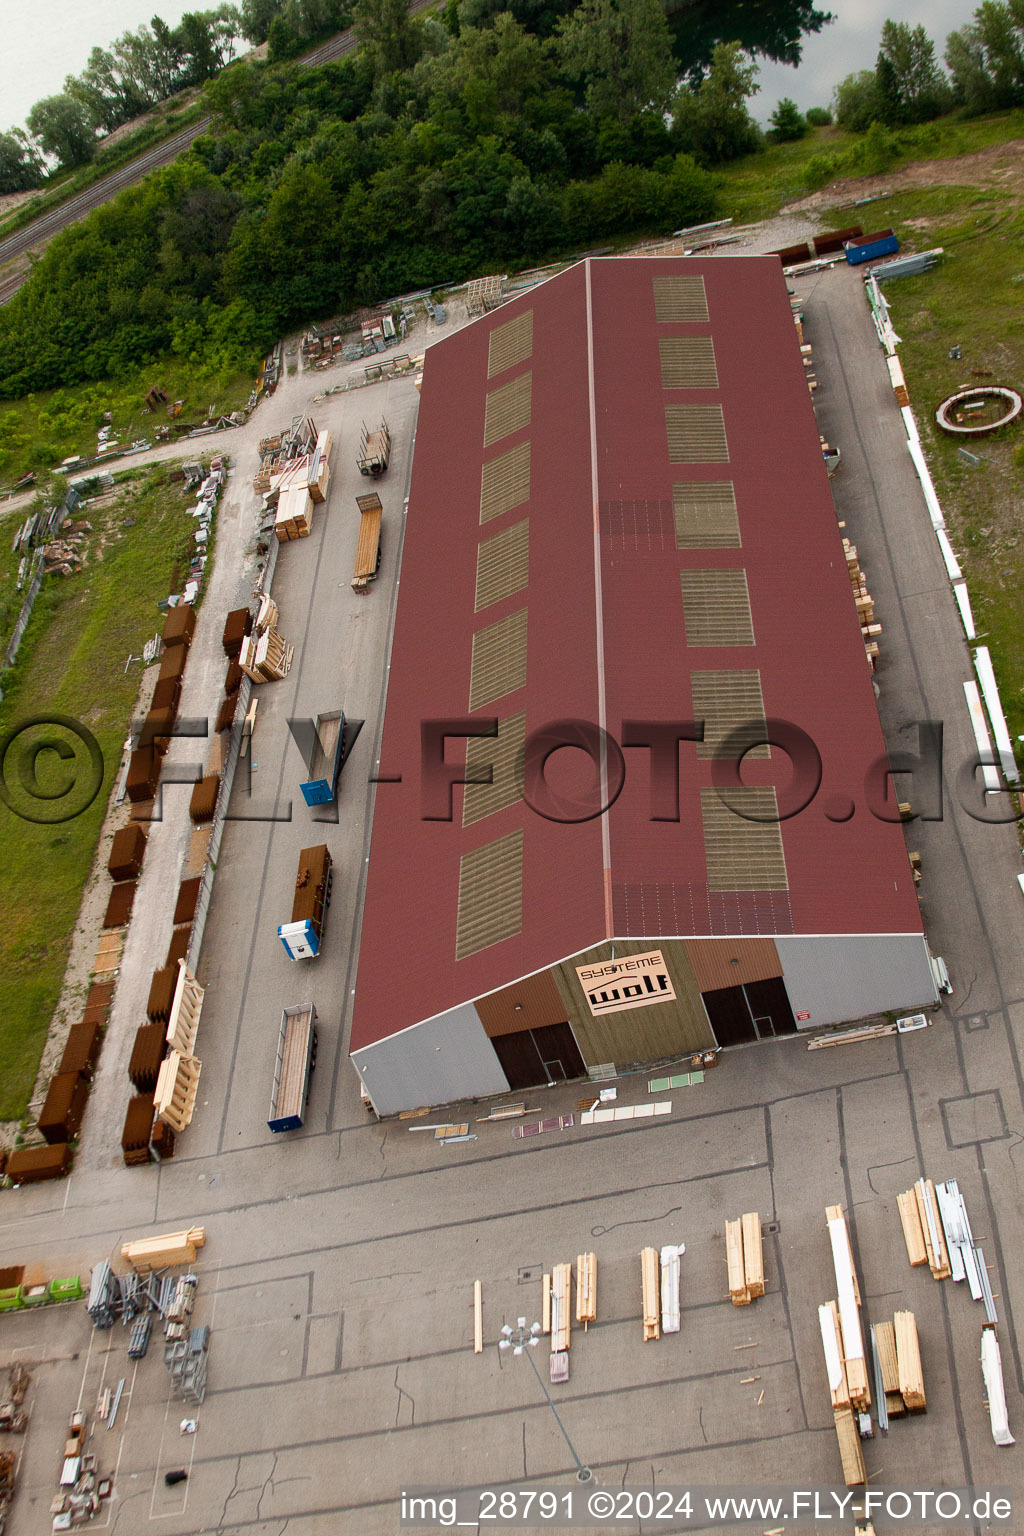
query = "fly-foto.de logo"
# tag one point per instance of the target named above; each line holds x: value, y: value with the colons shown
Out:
x: 636, y: 981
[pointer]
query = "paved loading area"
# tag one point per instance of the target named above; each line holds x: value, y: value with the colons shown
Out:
x: 337, y: 1274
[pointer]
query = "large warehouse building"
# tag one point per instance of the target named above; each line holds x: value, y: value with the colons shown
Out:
x: 620, y: 522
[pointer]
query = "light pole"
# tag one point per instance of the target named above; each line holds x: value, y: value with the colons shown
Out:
x: 520, y: 1340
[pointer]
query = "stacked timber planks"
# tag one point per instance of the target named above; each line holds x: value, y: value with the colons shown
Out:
x: 745, y: 1258
x: 885, y: 1339
x: 265, y: 658
x: 848, y: 1435
x: 650, y: 1271
x: 908, y: 1361
x: 921, y: 1219
x: 561, y: 1301
x: 832, y: 1344
x: 586, y: 1288
x: 913, y: 1233
x: 753, y: 1253
x: 147, y: 1253
x: 869, y: 628
x: 294, y: 519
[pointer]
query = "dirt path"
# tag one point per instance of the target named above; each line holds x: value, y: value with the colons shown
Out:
x: 1001, y: 165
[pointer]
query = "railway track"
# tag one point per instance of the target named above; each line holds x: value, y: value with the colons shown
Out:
x: 35, y: 236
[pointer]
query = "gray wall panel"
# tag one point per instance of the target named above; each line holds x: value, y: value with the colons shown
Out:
x: 446, y: 1058
x: 838, y: 978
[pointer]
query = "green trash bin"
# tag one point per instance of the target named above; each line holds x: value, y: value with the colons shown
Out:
x: 11, y: 1299
x: 70, y: 1289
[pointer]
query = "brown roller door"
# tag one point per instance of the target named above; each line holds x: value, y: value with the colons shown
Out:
x: 530, y: 1004
x: 721, y: 963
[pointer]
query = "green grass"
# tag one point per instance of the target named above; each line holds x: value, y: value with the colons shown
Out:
x: 38, y: 431
x: 757, y: 186
x: 974, y: 299
x: 72, y: 662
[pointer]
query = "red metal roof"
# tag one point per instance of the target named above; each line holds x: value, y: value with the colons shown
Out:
x: 606, y: 641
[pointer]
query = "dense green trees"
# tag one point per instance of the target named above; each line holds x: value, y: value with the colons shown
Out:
x: 713, y: 122
x: 986, y: 57
x: 20, y: 165
x: 911, y: 87
x: 493, y: 134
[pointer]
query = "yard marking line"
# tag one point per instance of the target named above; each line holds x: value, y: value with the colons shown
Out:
x: 67, y: 1191
x: 120, y: 1452
x: 85, y: 1368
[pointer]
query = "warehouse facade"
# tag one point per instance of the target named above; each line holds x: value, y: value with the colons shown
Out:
x: 621, y: 575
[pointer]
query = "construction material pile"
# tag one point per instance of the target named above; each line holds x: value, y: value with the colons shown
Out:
x: 277, y: 450
x: 869, y: 628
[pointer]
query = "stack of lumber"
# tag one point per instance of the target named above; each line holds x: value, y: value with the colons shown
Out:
x: 265, y: 658
x: 319, y: 467
x: 586, y: 1288
x: 561, y: 1301
x: 865, y: 606
x: 147, y: 1253
x: 852, y: 1337
x: 908, y: 1362
x: 745, y: 1259
x: 649, y: 1274
x: 923, y: 1233
x: 294, y: 518
x: 885, y: 1342
x: 899, y: 384
x: 848, y: 1435
x: 832, y: 1344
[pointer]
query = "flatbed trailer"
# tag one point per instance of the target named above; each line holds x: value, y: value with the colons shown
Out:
x: 368, y: 542
x: 374, y: 450
x: 293, y: 1068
